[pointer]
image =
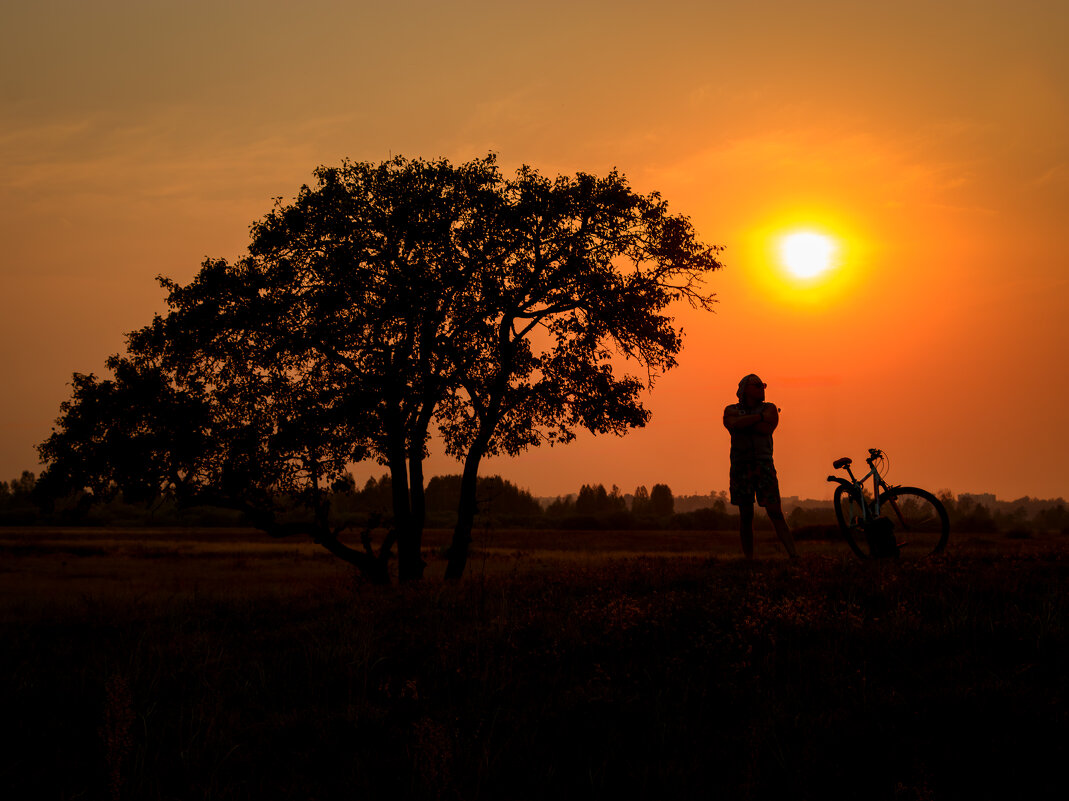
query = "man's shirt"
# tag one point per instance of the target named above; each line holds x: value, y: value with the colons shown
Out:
x: 749, y: 445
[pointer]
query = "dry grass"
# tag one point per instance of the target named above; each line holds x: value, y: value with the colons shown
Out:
x: 214, y: 664
x: 57, y: 564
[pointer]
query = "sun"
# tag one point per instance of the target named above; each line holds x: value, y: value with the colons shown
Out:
x: 807, y: 254
x: 808, y: 259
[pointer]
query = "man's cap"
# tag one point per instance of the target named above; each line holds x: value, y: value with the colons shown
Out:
x: 746, y: 380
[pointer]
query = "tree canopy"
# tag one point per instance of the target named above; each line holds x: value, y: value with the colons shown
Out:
x: 384, y: 304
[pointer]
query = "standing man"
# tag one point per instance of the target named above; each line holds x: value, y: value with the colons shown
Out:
x: 751, y: 422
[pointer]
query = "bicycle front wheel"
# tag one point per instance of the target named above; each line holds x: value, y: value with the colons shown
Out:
x: 920, y: 520
x: 850, y: 513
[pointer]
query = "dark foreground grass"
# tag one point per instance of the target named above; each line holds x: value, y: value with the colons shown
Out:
x: 672, y: 677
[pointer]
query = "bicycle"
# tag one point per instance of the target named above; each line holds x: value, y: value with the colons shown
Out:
x: 917, y: 525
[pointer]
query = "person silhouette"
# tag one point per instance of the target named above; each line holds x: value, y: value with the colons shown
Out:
x: 751, y: 422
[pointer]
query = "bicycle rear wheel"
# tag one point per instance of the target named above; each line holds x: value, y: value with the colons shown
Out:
x: 920, y: 520
x: 849, y: 511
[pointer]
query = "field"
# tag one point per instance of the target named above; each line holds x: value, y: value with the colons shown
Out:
x: 170, y: 663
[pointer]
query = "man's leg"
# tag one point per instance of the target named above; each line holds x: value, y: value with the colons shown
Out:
x: 779, y: 522
x: 746, y: 528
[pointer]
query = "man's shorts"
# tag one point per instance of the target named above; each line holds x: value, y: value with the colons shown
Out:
x: 754, y: 479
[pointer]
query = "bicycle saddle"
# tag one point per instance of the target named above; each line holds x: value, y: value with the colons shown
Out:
x: 839, y: 464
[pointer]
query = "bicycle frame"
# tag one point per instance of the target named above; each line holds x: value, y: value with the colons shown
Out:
x: 859, y: 484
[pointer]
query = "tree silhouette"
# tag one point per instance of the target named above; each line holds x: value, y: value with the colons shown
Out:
x: 384, y: 300
x: 640, y: 501
x: 498, y: 498
x: 661, y: 503
x: 580, y: 275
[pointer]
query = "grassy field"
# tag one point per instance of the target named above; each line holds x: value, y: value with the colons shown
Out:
x: 219, y: 664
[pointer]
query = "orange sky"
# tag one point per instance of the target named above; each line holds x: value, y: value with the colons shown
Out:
x: 932, y: 139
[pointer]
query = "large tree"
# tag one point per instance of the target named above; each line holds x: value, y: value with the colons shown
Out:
x: 382, y: 302
x: 579, y: 284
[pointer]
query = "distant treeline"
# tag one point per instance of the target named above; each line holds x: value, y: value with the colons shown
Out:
x: 503, y: 504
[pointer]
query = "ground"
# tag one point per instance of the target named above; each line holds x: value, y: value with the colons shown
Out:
x: 216, y: 663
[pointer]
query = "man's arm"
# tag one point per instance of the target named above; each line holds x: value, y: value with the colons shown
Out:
x: 734, y: 418
x: 768, y: 419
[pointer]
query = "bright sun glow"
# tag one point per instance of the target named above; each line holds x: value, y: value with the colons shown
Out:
x: 806, y: 254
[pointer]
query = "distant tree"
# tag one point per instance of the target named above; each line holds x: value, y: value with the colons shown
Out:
x: 384, y: 301
x: 720, y: 501
x: 948, y: 499
x: 1017, y: 518
x: 591, y: 499
x: 801, y: 517
x: 594, y: 500
x: 973, y: 517
x: 561, y: 506
x: 1053, y: 518
x: 503, y: 500
x: 714, y: 518
x: 640, y: 502
x: 662, y: 504
x: 498, y: 499
x: 18, y: 500
x: 23, y: 486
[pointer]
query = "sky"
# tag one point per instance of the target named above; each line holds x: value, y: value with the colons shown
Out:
x: 929, y: 141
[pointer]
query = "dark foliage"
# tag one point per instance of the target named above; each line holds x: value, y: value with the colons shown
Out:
x: 662, y: 504
x: 18, y: 500
x: 381, y: 303
x: 498, y: 502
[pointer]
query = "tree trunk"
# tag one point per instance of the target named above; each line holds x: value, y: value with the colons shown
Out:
x: 466, y: 509
x: 410, y: 564
x: 402, y: 512
x: 469, y: 482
